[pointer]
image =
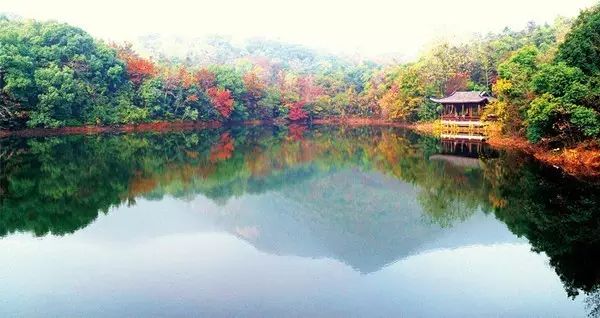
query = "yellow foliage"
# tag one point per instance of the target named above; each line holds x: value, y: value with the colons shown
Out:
x: 502, y: 86
x: 398, y: 105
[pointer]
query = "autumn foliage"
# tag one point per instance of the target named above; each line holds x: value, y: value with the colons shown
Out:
x: 297, y: 112
x: 221, y: 100
x: 205, y: 78
x: 296, y: 132
x: 138, y: 68
x: 223, y: 150
x: 254, y: 85
x: 458, y: 82
x: 185, y: 77
x: 192, y: 98
x: 308, y: 89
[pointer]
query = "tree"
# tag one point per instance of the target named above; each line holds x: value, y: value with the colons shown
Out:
x: 139, y: 69
x: 581, y: 47
x: 558, y: 80
x: 205, y: 78
x: 297, y: 112
x: 221, y: 100
x: 458, y: 82
x: 60, y: 98
x: 255, y: 90
x: 270, y: 106
x: 52, y: 74
x: 542, y: 116
x: 406, y: 94
x: 513, y: 88
x: 152, y: 97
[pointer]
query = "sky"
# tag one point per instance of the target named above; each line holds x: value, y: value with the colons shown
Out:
x: 353, y: 27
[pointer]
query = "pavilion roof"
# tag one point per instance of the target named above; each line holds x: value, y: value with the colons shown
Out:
x: 464, y: 97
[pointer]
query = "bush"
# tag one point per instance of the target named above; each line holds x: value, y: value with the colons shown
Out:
x: 541, y: 116
x: 556, y: 79
x: 586, y: 120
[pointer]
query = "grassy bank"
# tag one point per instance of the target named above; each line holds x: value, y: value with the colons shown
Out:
x: 582, y: 160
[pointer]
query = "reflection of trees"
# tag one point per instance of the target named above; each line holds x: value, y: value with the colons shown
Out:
x: 59, y: 185
x: 558, y: 215
x: 592, y: 303
x: 51, y: 187
x: 452, y: 194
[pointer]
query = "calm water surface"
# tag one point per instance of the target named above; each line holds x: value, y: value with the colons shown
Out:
x: 291, y: 221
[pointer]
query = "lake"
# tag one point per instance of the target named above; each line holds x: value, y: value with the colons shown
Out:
x: 291, y: 221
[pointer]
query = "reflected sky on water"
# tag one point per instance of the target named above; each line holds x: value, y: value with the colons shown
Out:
x: 268, y: 223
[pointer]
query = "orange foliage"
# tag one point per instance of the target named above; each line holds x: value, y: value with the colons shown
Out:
x: 296, y: 132
x: 180, y: 77
x: 258, y: 163
x: 140, y: 186
x: 192, y: 98
x: 222, y: 100
x: 254, y: 85
x: 185, y: 77
x: 137, y: 67
x: 205, y: 79
x: 223, y: 150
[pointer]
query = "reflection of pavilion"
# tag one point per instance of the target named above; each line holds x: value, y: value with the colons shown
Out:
x: 463, y: 147
x: 461, y: 162
x: 463, y: 151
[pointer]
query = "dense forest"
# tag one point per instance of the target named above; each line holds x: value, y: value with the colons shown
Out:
x: 545, y: 80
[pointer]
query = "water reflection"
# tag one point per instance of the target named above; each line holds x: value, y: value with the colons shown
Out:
x: 367, y: 197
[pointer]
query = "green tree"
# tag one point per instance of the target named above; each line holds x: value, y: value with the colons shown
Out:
x: 581, y: 47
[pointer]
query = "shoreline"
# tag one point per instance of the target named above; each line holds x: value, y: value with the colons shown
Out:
x: 581, y: 161
x: 165, y: 126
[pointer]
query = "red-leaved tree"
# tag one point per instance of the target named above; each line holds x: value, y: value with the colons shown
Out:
x: 458, y: 82
x: 297, y: 112
x: 205, y: 79
x: 308, y: 89
x: 223, y: 150
x: 296, y: 132
x: 138, y: 68
x: 221, y: 100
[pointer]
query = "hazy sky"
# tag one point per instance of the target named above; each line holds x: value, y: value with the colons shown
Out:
x: 368, y: 27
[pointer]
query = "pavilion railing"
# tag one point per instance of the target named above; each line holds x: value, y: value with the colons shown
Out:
x: 461, y: 117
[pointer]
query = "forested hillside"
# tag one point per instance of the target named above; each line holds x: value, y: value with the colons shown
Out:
x: 544, y: 78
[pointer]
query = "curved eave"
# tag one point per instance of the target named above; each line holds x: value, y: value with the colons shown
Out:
x: 443, y: 101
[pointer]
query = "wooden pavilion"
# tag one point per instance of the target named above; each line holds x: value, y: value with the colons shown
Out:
x: 463, y: 107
